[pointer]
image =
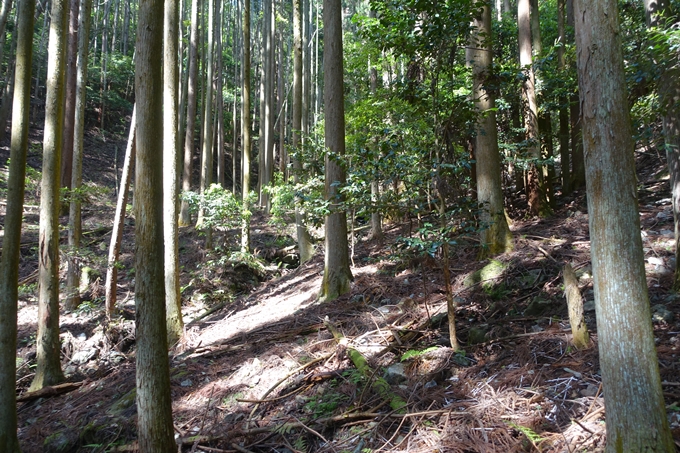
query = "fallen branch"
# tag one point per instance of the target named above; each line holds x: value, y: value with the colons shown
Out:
x: 50, y: 391
x: 337, y: 420
x: 380, y: 385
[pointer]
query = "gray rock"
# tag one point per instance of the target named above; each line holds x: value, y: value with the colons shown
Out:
x: 395, y: 374
x: 661, y: 314
x: 477, y: 335
x: 84, y: 356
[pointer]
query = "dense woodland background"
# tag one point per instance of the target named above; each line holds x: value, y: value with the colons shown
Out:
x: 356, y: 225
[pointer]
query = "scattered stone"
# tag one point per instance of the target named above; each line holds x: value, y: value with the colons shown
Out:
x: 477, y: 334
x: 395, y: 373
x: 537, y: 328
x: 661, y: 314
x: 589, y: 391
x: 655, y: 260
x: 430, y: 384
x: 84, y: 356
x: 186, y: 383
x: 537, y: 306
x: 667, y: 233
x: 358, y: 298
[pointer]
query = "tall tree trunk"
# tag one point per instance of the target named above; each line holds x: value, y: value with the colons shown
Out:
x: 207, y: 140
x: 281, y: 95
x: 185, y: 216
x: 246, y: 125
x: 657, y: 14
x: 219, y: 99
x: 636, y: 414
x: 70, y: 96
x: 74, y: 218
x: 495, y: 237
x: 104, y: 61
x: 565, y: 158
x: 48, y: 371
x: 533, y: 189
x: 376, y: 217
x: 111, y: 285
x: 304, y: 240
x: 171, y: 150
x: 154, y: 409
x: 336, y: 274
x: 11, y: 241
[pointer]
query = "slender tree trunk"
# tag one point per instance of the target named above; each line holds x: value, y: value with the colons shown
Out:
x: 111, y: 284
x: 219, y: 99
x: 376, y: 217
x: 104, y: 61
x: 281, y: 95
x: 657, y: 14
x: 534, y: 196
x: 154, y: 407
x: 70, y: 96
x: 565, y: 157
x: 337, y: 274
x: 207, y: 145
x: 495, y: 237
x: 636, y: 414
x: 305, y: 247
x: 237, y: 127
x: 11, y: 241
x: 246, y: 125
x: 185, y: 216
x: 74, y: 218
x: 48, y: 371
x: 171, y: 150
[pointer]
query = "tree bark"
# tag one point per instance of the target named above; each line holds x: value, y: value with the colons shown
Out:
x: 70, y: 95
x: 11, y: 241
x: 530, y: 108
x: 185, y: 216
x: 495, y: 237
x: 207, y: 126
x: 74, y: 218
x: 245, y: 129
x: 171, y: 150
x: 111, y: 284
x: 154, y: 410
x: 657, y: 12
x: 636, y: 414
x: 48, y: 371
x: 305, y: 246
x: 336, y: 274
x: 565, y: 162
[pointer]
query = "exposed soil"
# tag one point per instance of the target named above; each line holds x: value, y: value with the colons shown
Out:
x: 259, y: 370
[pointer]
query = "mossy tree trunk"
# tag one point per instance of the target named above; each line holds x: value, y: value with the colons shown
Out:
x: 495, y: 237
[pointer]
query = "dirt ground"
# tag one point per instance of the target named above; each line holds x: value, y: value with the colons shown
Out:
x: 259, y: 369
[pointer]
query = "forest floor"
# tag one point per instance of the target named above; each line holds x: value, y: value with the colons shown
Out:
x: 259, y: 370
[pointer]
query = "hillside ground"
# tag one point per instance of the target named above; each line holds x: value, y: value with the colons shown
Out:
x: 260, y: 370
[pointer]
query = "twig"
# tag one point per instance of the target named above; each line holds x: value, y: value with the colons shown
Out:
x: 281, y: 381
x: 307, y: 428
x: 241, y: 449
